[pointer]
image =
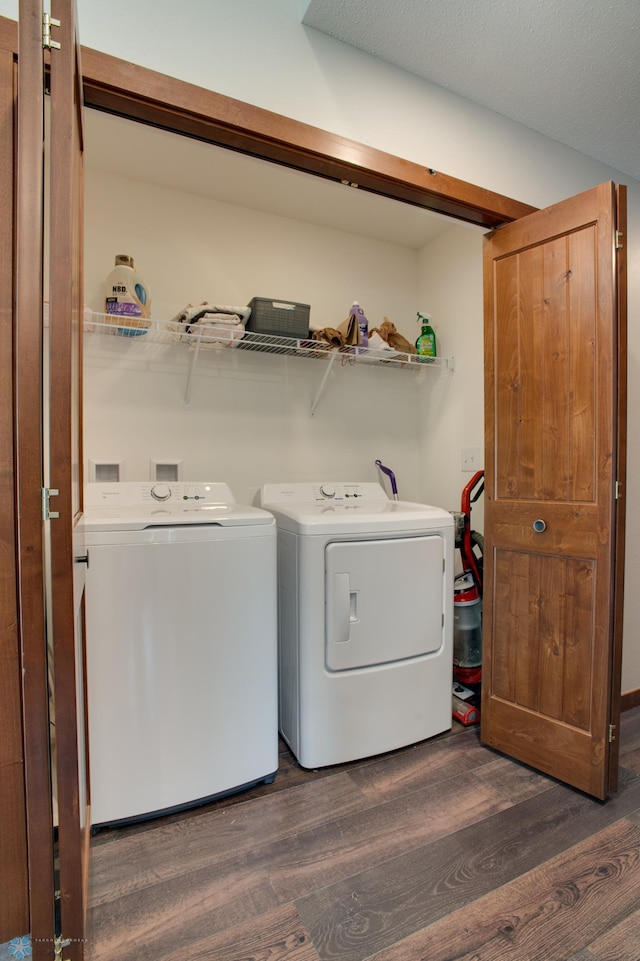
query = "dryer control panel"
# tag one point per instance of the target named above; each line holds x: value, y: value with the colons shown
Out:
x: 335, y: 492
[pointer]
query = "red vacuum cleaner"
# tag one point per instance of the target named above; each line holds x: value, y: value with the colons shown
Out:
x: 467, y: 610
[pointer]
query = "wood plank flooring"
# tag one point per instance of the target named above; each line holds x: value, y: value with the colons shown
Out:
x: 441, y: 851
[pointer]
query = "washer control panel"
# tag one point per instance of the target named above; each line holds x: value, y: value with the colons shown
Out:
x: 161, y: 492
x: 179, y: 494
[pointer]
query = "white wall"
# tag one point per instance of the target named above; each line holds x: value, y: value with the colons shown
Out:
x: 260, y: 53
x: 192, y: 248
x: 249, y: 421
x: 450, y: 286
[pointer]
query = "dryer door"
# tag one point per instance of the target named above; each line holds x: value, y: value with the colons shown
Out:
x: 384, y: 600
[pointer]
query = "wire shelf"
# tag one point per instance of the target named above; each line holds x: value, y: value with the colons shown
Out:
x: 199, y: 343
x: 171, y: 332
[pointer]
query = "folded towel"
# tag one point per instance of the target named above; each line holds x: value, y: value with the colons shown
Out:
x: 211, y: 318
x: 216, y: 334
x: 191, y: 315
x: 213, y: 325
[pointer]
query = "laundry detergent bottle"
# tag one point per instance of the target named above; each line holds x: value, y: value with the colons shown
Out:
x: 127, y: 300
x: 426, y: 342
x: 363, y: 323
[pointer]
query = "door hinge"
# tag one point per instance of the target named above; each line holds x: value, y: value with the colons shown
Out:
x: 618, y: 490
x: 58, y: 945
x: 47, y: 494
x: 619, y: 236
x: 612, y: 733
x: 47, y: 23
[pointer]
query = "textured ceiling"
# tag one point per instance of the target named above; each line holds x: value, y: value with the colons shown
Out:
x: 569, y: 69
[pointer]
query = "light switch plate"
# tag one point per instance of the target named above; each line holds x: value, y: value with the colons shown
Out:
x: 471, y: 459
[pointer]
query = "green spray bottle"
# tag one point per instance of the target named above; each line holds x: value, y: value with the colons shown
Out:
x: 426, y: 342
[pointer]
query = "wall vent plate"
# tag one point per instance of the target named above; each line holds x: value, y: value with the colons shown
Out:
x: 106, y: 471
x: 165, y: 470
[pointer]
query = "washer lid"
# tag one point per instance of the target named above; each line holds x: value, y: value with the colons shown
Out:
x: 132, y: 505
x: 339, y: 508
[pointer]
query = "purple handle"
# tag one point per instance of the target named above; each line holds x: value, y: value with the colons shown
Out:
x: 390, y: 475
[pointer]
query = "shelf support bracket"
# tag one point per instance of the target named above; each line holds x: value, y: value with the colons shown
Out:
x: 192, y: 368
x: 332, y: 359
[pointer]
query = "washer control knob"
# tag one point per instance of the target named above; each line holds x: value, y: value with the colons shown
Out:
x: 327, y: 491
x: 161, y: 492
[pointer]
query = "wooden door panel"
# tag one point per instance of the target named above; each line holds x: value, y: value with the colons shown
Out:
x: 28, y: 428
x: 577, y: 754
x: 545, y: 342
x: 572, y: 528
x: 619, y: 547
x: 550, y: 519
x: 540, y: 649
x: 65, y: 442
x: 515, y: 408
x: 14, y: 903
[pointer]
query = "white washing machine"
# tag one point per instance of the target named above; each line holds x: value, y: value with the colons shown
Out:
x: 365, y: 619
x: 181, y: 640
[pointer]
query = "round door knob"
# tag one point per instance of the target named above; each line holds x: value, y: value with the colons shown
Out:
x: 161, y: 492
x: 539, y: 526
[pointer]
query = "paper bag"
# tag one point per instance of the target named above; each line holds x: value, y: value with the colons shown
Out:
x: 350, y: 331
x: 329, y: 335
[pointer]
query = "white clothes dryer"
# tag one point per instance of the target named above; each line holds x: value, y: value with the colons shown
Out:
x: 181, y: 641
x: 365, y: 607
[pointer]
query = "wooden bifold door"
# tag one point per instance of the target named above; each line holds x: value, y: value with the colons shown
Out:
x: 48, y: 429
x: 554, y: 362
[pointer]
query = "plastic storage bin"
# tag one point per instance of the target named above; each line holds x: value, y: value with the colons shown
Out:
x: 278, y: 318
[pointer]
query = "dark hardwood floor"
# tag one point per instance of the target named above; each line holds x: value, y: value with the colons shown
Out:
x: 441, y: 851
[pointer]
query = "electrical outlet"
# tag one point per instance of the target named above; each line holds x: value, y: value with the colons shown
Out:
x: 471, y: 459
